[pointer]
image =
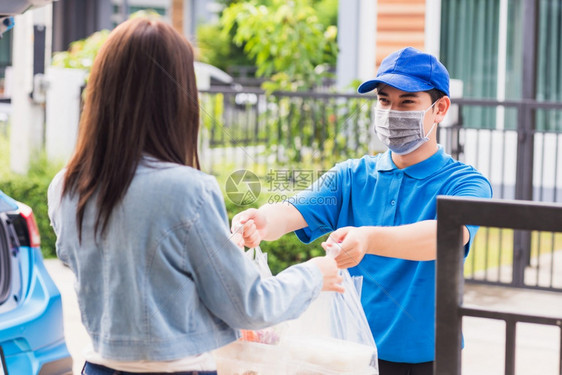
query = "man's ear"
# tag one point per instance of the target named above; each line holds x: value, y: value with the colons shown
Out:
x: 441, y: 108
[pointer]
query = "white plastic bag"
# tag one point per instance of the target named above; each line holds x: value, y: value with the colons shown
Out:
x: 270, y: 335
x: 331, y: 337
x: 348, y: 317
x: 333, y: 333
x: 257, y: 351
x: 260, y: 259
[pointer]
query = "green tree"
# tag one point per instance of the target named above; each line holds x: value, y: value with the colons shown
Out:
x: 327, y: 11
x: 218, y: 49
x: 81, y: 53
x: 286, y: 38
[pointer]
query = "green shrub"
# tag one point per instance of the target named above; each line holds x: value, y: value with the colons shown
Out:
x: 217, y: 48
x: 287, y: 41
x: 289, y: 250
x: 81, y: 53
x: 31, y: 189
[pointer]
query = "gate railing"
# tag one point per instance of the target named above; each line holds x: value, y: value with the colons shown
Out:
x: 452, y: 214
x: 516, y: 145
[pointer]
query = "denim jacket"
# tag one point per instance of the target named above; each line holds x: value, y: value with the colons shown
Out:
x: 165, y: 281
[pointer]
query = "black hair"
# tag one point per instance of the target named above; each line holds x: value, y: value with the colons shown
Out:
x: 435, y: 94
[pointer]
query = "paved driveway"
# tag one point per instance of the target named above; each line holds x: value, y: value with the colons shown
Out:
x: 76, y: 336
x: 538, y: 347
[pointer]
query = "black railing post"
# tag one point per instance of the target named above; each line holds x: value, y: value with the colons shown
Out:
x: 523, y: 190
x: 526, y: 139
x: 510, y: 341
x: 452, y: 213
x: 449, y: 291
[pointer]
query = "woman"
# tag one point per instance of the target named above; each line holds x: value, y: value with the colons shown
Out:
x: 160, y: 283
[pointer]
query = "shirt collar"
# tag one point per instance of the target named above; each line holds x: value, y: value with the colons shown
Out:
x: 418, y: 171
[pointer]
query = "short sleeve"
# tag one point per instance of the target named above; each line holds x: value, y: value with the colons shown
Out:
x: 320, y: 204
x: 474, y: 185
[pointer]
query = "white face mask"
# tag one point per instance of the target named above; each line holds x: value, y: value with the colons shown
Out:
x: 401, y: 131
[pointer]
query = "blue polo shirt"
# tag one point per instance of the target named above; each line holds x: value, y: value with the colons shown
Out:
x: 398, y: 295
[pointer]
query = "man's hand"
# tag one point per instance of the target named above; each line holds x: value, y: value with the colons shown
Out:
x: 352, y: 243
x: 251, y: 224
x: 416, y: 241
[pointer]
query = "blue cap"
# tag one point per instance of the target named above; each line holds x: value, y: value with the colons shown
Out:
x: 410, y: 70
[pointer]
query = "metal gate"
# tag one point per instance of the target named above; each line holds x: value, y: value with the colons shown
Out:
x: 522, y: 215
x: 523, y: 161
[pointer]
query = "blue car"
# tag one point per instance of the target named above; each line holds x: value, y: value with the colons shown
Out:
x: 31, y: 324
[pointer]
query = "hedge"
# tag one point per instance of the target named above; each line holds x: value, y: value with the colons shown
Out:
x: 31, y: 189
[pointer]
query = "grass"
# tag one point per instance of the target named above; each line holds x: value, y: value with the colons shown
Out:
x: 493, y: 247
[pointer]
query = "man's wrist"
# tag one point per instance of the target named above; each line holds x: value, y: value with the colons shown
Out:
x: 371, y: 233
x: 263, y: 210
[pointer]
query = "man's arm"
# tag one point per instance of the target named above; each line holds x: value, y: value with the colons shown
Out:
x: 416, y: 241
x: 268, y: 223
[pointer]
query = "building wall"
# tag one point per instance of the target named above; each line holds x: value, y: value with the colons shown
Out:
x: 77, y: 19
x: 400, y: 23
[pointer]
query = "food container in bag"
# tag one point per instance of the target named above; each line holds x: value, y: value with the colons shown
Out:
x: 326, y: 355
x: 250, y: 358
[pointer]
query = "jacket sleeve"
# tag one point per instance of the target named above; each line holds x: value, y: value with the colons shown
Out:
x: 229, y: 284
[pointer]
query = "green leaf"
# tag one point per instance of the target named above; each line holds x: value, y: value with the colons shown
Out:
x: 282, y: 37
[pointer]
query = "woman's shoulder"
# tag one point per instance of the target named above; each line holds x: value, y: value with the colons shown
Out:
x: 175, y: 180
x: 58, y: 178
x: 178, y: 195
x: 54, y: 191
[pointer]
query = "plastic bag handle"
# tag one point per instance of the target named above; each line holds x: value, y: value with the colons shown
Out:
x: 333, y: 249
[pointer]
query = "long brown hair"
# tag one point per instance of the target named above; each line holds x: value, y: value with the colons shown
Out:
x: 141, y: 97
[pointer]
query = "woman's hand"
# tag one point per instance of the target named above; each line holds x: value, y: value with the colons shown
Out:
x: 331, y: 278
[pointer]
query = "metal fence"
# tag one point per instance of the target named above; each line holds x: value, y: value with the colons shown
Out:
x: 515, y: 144
x: 453, y: 213
x: 249, y: 129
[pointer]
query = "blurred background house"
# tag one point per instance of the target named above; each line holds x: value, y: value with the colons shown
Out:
x: 480, y: 41
x: 505, y: 57
x: 77, y: 19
